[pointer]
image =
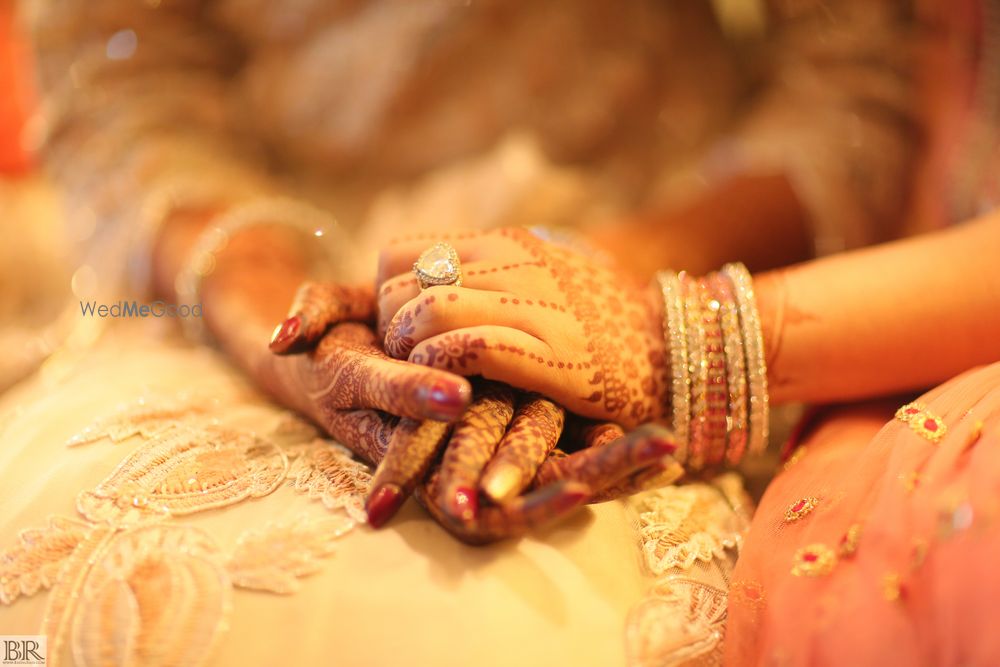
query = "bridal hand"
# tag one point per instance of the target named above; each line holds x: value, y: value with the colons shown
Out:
x: 533, y: 315
x: 593, y: 474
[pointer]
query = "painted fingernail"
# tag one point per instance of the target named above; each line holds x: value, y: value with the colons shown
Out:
x: 659, y: 446
x: 502, y: 482
x: 465, y: 504
x: 571, y: 496
x: 446, y: 401
x: 382, y: 504
x: 285, y: 333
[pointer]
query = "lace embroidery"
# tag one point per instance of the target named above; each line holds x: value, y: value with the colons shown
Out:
x: 34, y: 564
x: 144, y: 417
x: 273, y: 559
x: 690, y: 536
x: 682, y: 623
x: 683, y: 524
x: 186, y: 470
x: 132, y: 586
x: 328, y: 473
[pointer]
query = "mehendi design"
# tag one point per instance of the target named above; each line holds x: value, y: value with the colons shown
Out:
x: 602, y: 466
x: 532, y: 435
x: 473, y: 443
x: 510, y: 519
x: 410, y: 453
x: 318, y: 306
x: 603, y: 332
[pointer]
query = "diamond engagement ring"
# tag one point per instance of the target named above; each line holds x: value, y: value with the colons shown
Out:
x: 438, y: 265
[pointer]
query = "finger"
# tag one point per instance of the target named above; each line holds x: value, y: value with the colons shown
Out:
x: 364, y: 432
x: 396, y: 291
x: 316, y: 307
x: 472, y: 444
x: 533, y: 434
x: 579, y: 433
x: 599, y: 467
x: 442, y: 309
x: 399, y: 255
x: 512, y: 519
x: 645, y: 479
x: 407, y: 459
x: 497, y: 353
x: 348, y: 370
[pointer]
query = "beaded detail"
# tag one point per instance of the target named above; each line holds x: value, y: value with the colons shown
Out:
x: 849, y: 541
x: 922, y: 421
x: 813, y: 561
x: 800, y: 508
x: 129, y: 563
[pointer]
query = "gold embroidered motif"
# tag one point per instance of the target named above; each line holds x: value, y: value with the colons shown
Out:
x: 800, y: 508
x: 684, y: 621
x: 34, y: 564
x: 166, y: 584
x: 849, y: 541
x: 683, y: 524
x: 691, y: 536
x: 145, y: 417
x: 813, y: 561
x: 131, y: 586
x: 922, y: 422
x: 275, y: 558
x: 909, y: 411
x: 796, y: 456
x: 327, y: 472
x: 892, y: 587
x: 184, y: 471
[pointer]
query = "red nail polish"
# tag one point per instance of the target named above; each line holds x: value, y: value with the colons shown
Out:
x: 446, y: 401
x: 662, y: 447
x: 570, y: 498
x: 465, y: 504
x: 286, y: 333
x: 382, y: 504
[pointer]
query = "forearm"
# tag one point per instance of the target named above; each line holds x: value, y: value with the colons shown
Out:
x: 892, y: 318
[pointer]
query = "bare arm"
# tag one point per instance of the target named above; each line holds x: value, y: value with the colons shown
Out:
x: 896, y: 317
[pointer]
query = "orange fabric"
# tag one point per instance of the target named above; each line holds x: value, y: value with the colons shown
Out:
x: 16, y: 92
x: 921, y: 584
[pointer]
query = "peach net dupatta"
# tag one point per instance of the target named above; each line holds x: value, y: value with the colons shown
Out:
x: 878, y: 543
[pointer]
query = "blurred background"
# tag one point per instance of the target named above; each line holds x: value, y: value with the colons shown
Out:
x: 30, y: 242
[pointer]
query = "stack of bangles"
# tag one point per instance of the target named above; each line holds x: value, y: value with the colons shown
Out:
x: 718, y: 390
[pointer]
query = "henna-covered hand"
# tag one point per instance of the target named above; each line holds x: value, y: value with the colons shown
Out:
x: 347, y: 368
x: 318, y: 306
x: 533, y: 315
x: 565, y: 481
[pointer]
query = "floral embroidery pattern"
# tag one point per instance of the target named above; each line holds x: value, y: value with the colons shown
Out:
x: 682, y: 618
x: 922, y: 421
x: 813, y: 561
x: 800, y: 508
x: 130, y: 565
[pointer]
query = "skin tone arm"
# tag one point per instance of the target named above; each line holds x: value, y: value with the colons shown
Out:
x: 897, y: 317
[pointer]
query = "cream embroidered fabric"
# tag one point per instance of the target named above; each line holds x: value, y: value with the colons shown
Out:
x: 145, y: 522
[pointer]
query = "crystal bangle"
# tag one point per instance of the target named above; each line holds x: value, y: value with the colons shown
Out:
x: 675, y: 332
x: 753, y: 342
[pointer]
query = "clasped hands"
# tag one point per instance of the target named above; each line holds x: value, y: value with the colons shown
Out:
x: 563, y: 352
